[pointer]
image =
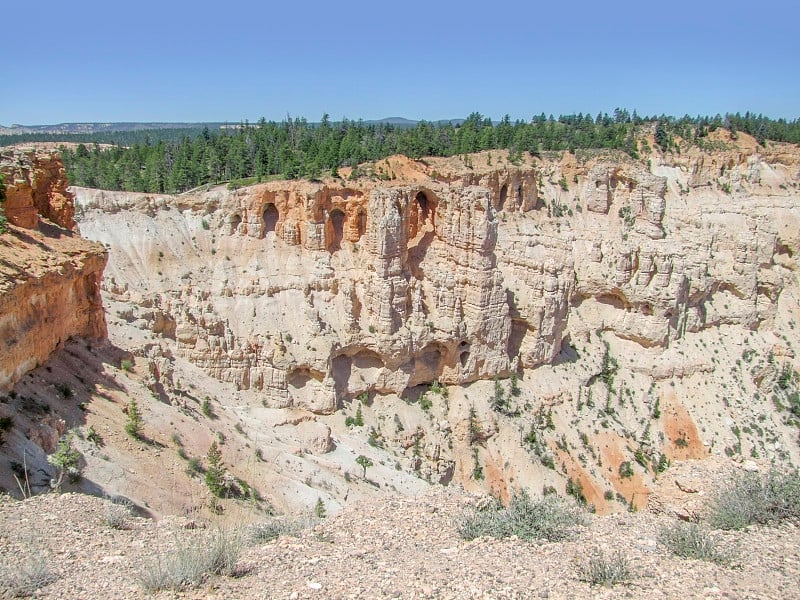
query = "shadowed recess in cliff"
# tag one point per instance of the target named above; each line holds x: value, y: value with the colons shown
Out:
x: 334, y: 230
x: 305, y: 387
x: 356, y: 373
x: 236, y: 221
x: 270, y: 218
x: 421, y: 231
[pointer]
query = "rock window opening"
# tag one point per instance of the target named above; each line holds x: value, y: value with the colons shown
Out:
x: 270, y: 218
x: 422, y: 216
x: 503, y: 196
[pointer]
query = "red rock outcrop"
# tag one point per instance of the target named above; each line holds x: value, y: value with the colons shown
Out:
x: 36, y: 185
x: 49, y: 276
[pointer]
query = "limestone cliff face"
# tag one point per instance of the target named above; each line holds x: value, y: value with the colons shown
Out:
x: 333, y: 291
x: 316, y: 293
x: 49, y: 277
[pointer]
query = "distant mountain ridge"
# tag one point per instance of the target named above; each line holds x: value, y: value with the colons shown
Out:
x: 84, y: 128
x: 97, y: 127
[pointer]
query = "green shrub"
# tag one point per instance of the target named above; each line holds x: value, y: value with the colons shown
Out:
x: 126, y: 365
x: 319, y: 509
x: 477, y: 469
x: 64, y: 390
x: 194, y: 466
x: 690, y: 540
x: 67, y: 460
x: 215, y: 472
x: 364, y: 462
x: 133, y: 426
x: 550, y: 518
x: 207, y: 409
x: 626, y: 469
x: 425, y: 403
x: 753, y: 498
x: 93, y: 436
x: 575, y: 489
x: 599, y: 569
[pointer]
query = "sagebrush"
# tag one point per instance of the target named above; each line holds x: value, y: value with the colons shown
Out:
x: 599, y: 568
x: 190, y: 564
x: 551, y: 518
x: 754, y: 498
x: 692, y: 540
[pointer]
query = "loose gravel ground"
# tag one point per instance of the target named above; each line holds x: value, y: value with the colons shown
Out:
x: 390, y: 548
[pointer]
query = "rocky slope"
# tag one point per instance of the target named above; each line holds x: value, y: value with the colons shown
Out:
x: 393, y: 547
x: 636, y: 312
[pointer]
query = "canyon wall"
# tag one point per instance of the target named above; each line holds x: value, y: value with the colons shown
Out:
x: 630, y: 311
x: 49, y: 276
x: 315, y: 293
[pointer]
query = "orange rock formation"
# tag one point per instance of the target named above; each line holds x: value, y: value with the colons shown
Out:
x: 49, y: 277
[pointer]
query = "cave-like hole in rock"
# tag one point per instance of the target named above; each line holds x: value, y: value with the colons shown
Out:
x: 335, y: 230
x: 299, y: 378
x: 424, y: 207
x: 519, y: 195
x: 503, y: 195
x: 236, y: 220
x: 270, y: 217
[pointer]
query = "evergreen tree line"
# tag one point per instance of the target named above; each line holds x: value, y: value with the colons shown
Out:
x: 122, y: 138
x: 295, y: 148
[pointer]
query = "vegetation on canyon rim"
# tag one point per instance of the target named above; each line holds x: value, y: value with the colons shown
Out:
x: 176, y: 160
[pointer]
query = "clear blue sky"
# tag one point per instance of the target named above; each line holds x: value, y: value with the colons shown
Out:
x: 234, y: 60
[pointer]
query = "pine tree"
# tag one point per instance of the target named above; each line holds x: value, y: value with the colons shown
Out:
x: 67, y: 460
x: 364, y: 462
x: 133, y: 426
x: 319, y: 509
x: 215, y: 471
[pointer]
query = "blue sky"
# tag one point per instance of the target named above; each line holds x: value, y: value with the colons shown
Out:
x: 235, y: 60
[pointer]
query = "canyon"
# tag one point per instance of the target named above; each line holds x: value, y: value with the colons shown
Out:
x: 569, y: 322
